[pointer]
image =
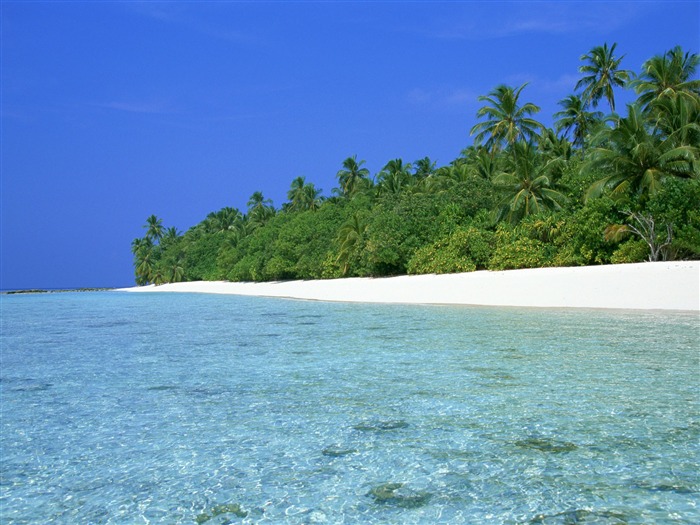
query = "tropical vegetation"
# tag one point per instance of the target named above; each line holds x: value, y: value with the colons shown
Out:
x: 594, y: 189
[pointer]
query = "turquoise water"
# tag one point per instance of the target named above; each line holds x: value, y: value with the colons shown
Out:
x: 169, y: 408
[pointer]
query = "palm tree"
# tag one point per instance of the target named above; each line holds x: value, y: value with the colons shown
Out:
x: 636, y: 159
x: 602, y: 74
x: 296, y: 193
x: 485, y: 165
x: 260, y: 209
x: 350, y: 236
x: 312, y: 197
x: 526, y: 186
x: 506, y: 121
x: 176, y: 272
x: 226, y: 219
x: 575, y: 120
x: 141, y: 245
x: 678, y: 119
x: 303, y: 196
x: 394, y: 177
x: 145, y: 265
x: 257, y: 200
x: 142, y: 248
x: 170, y: 235
x: 157, y: 276
x: 552, y: 145
x: 424, y: 168
x: 665, y: 76
x: 154, y: 228
x: 352, y: 177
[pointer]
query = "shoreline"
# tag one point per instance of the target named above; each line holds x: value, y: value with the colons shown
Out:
x: 671, y: 285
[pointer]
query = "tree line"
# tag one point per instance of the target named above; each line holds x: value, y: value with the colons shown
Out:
x: 598, y: 188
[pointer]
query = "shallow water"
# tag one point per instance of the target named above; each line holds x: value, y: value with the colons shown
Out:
x: 177, y: 408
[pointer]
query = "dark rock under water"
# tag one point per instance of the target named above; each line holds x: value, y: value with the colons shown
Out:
x: 336, y: 452
x: 230, y: 509
x: 381, y: 425
x: 546, y: 445
x: 398, y: 495
x: 581, y: 517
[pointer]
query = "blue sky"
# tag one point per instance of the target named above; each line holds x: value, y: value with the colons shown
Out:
x: 113, y: 111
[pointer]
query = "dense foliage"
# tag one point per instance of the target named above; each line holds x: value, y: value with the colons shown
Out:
x: 598, y: 189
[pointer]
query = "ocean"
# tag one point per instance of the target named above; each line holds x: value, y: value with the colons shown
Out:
x: 121, y: 408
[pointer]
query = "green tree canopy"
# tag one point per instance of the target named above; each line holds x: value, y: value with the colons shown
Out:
x: 506, y: 121
x: 602, y: 74
x: 667, y: 76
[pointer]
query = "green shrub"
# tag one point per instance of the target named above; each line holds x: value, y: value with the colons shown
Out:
x: 465, y: 250
x: 514, y: 251
x: 631, y: 251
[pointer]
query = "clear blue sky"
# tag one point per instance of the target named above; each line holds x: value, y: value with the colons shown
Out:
x: 113, y: 111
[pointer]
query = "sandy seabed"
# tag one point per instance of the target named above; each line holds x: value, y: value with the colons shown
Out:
x: 642, y: 286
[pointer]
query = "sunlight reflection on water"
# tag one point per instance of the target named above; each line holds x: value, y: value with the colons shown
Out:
x: 124, y: 408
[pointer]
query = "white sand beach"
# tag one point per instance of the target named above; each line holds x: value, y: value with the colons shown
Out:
x: 642, y: 286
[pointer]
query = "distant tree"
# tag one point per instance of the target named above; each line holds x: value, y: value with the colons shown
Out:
x: 602, y: 74
x: 575, y: 121
x: 260, y: 209
x: 226, y: 219
x: 350, y: 237
x: 176, y: 272
x: 142, y: 248
x: 667, y: 76
x: 394, y: 177
x: 170, y: 236
x: 303, y: 196
x: 526, y: 186
x: 634, y: 160
x: 554, y: 146
x: 154, y: 228
x: 678, y: 119
x: 353, y: 176
x: 145, y: 267
x: 485, y: 165
x: 424, y: 168
x: 506, y: 121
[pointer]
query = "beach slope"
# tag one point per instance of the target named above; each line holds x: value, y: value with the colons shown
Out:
x: 642, y: 286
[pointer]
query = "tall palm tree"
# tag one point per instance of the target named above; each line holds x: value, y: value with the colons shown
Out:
x: 506, y: 121
x: 573, y: 119
x: 353, y: 176
x: 260, y: 209
x: 678, y: 119
x: 154, y: 228
x: 602, y: 74
x: 142, y: 248
x: 312, y: 197
x: 665, y: 76
x: 176, y: 272
x: 258, y: 200
x: 225, y: 219
x: 350, y: 236
x: 394, y: 177
x: 296, y: 194
x: 170, y: 237
x: 158, y: 276
x: 141, y: 245
x: 635, y: 159
x: 145, y: 266
x: 424, y: 168
x: 485, y: 165
x: 552, y: 146
x: 526, y: 186
x: 303, y: 195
